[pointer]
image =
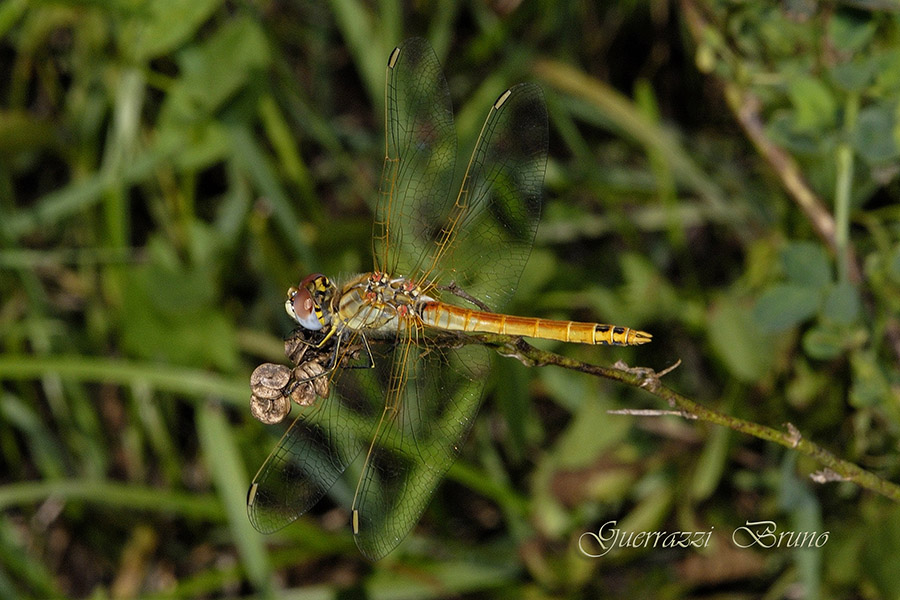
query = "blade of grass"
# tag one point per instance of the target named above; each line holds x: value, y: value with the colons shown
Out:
x: 10, y: 12
x: 45, y: 448
x: 190, y: 382
x: 359, y: 30
x: 190, y: 505
x: 227, y: 470
x: 622, y: 113
x: 85, y: 193
x: 250, y: 157
x: 21, y: 568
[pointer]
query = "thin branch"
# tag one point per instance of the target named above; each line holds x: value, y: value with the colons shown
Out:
x: 747, y: 109
x: 649, y: 380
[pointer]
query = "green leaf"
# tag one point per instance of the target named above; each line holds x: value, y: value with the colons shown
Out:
x: 651, y: 510
x: 199, y: 337
x: 212, y: 73
x: 222, y: 64
x: 806, y: 264
x: 855, y: 75
x: 711, y: 464
x: 542, y: 266
x: 842, y: 304
x: 783, y: 132
x: 512, y: 397
x: 887, y: 78
x: 784, y: 306
x: 805, y: 513
x: 204, y: 144
x: 870, y: 386
x: 824, y: 343
x: 814, y: 105
x: 873, y: 136
x: 738, y: 340
x: 171, y: 309
x: 894, y: 264
x: 849, y: 31
x: 591, y: 431
x: 878, y: 555
x: 161, y: 26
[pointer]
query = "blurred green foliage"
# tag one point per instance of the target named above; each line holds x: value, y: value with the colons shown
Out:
x: 169, y: 167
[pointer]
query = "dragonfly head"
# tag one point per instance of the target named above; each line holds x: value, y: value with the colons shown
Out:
x: 309, y: 304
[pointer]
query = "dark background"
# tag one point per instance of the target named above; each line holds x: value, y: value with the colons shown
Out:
x: 721, y: 174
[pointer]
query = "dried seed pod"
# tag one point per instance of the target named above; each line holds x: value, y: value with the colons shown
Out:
x: 295, y: 347
x: 269, y: 410
x: 302, y: 343
x: 310, y: 383
x: 268, y: 386
x: 268, y: 380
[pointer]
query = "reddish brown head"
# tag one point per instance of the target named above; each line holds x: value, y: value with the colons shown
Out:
x: 308, y: 303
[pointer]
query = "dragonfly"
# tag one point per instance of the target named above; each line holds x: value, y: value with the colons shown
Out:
x: 402, y: 387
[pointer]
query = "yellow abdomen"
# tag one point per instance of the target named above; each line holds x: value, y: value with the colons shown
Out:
x: 453, y: 318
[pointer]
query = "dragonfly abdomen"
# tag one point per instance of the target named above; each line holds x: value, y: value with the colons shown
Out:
x: 455, y: 318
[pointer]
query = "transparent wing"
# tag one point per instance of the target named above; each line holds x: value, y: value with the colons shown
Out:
x: 482, y: 240
x: 433, y: 388
x: 313, y: 453
x: 418, y: 403
x: 488, y: 235
x: 418, y: 438
x: 420, y: 152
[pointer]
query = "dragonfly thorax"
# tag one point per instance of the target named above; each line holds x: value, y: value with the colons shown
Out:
x: 377, y: 303
x: 309, y: 304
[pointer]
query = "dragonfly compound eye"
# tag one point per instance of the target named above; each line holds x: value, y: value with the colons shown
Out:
x: 301, y: 308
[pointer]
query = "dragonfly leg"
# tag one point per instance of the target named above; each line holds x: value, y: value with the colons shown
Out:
x: 369, y: 355
x: 309, y: 339
x: 300, y: 333
x: 327, y: 337
x: 335, y: 359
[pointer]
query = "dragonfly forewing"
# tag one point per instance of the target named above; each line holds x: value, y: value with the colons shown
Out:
x: 420, y: 153
x: 490, y: 229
